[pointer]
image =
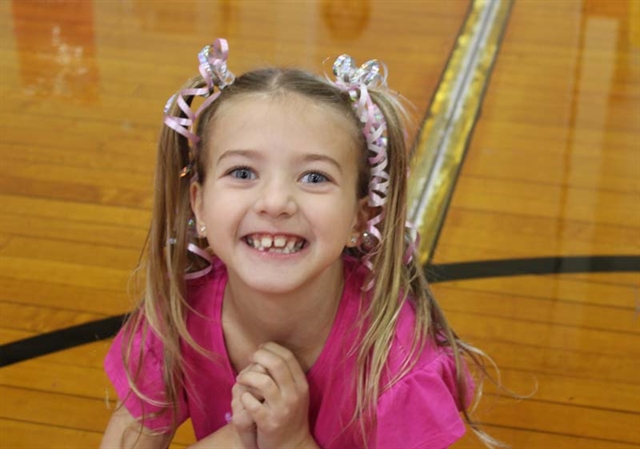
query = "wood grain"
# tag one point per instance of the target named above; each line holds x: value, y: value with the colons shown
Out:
x: 552, y: 170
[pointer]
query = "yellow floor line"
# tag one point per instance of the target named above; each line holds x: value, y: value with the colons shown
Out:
x: 445, y: 134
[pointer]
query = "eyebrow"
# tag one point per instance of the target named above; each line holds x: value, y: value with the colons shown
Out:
x: 256, y: 155
x: 242, y: 153
x: 322, y: 158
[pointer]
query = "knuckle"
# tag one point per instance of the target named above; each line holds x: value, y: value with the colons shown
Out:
x: 259, y: 369
x: 252, y: 405
x: 271, y: 426
x: 288, y: 356
x: 270, y: 346
x: 289, y: 400
x: 279, y: 365
x: 236, y: 420
x: 286, y: 411
x: 263, y: 382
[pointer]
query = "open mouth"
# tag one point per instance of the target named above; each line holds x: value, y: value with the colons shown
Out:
x: 283, y: 244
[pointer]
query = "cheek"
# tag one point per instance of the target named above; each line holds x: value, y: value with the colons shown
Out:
x: 337, y: 216
x: 220, y: 208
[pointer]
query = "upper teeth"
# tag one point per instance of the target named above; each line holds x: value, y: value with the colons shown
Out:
x: 276, y: 243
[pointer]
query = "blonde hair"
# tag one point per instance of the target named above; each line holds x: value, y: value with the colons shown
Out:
x: 164, y: 305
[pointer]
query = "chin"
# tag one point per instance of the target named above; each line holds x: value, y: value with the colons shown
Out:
x: 283, y: 281
x: 273, y: 286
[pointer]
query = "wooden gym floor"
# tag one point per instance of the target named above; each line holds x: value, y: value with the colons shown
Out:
x: 537, y: 261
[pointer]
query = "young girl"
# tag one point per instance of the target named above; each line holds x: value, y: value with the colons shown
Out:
x: 283, y: 308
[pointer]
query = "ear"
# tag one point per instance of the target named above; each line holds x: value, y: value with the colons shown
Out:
x: 197, y: 205
x: 363, y: 215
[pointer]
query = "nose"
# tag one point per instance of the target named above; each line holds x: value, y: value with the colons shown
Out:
x: 276, y: 198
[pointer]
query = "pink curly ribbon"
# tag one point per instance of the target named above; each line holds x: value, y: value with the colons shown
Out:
x: 357, y: 81
x: 205, y: 255
x: 213, y: 68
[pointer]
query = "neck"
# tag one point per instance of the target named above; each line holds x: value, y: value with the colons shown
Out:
x: 300, y: 320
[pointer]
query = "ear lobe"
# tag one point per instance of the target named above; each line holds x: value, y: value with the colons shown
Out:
x: 365, y: 213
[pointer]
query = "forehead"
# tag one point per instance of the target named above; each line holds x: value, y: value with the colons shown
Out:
x: 281, y: 121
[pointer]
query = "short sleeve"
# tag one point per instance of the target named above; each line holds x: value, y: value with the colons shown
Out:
x: 150, y: 381
x: 420, y: 411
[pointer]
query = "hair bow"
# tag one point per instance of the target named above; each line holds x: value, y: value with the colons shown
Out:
x: 372, y: 73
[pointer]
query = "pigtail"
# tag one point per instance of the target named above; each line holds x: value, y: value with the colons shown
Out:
x: 387, y: 268
x: 165, y: 261
x: 393, y: 276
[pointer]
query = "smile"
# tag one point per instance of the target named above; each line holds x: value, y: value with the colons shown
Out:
x: 275, y: 243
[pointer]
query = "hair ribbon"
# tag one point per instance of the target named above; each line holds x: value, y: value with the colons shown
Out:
x: 213, y: 68
x: 357, y: 81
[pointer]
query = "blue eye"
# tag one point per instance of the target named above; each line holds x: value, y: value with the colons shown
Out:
x: 242, y: 173
x: 314, y: 178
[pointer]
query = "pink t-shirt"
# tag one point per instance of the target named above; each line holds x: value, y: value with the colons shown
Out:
x: 419, y: 411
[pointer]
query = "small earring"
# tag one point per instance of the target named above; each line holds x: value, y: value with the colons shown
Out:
x: 203, y: 229
x: 353, y: 240
x: 368, y: 242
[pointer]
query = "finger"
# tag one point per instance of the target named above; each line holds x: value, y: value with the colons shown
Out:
x: 281, y: 364
x: 261, y: 386
x: 254, y: 408
x: 289, y: 357
x: 277, y: 363
x: 239, y: 416
x: 241, y: 419
x: 254, y: 367
x: 257, y: 368
x: 246, y: 429
x: 241, y: 388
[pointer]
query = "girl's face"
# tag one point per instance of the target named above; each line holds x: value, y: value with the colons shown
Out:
x: 279, y: 201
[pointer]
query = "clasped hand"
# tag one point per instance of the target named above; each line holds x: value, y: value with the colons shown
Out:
x: 270, y: 403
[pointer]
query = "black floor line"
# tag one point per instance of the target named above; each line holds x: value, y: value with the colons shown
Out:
x: 539, y: 265
x: 59, y: 340
x: 70, y: 337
